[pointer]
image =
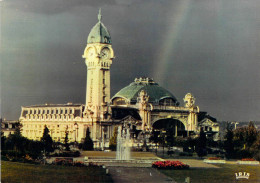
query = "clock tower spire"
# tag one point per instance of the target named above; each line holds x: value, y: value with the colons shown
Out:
x: 99, y: 15
x: 98, y: 56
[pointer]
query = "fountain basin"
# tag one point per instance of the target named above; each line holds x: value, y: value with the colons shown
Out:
x: 138, y: 159
x: 123, y: 163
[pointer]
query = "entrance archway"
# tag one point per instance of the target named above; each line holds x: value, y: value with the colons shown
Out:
x: 175, y: 125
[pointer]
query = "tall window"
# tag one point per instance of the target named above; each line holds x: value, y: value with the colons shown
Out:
x: 104, y: 82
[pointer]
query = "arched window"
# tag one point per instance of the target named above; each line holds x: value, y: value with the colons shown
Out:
x: 119, y: 101
x: 166, y: 102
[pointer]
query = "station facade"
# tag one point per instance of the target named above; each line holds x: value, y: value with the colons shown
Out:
x: 142, y: 106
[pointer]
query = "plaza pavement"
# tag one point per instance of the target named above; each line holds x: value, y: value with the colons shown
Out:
x: 140, y: 172
x: 139, y: 175
x: 129, y: 173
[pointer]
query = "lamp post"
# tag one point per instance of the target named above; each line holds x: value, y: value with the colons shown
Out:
x: 235, y: 123
x: 76, y: 131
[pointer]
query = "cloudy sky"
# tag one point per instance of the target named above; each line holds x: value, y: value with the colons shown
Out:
x: 210, y: 48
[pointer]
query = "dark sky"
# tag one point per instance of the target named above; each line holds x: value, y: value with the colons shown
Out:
x: 210, y: 48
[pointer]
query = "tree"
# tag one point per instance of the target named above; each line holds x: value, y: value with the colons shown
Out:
x: 47, y: 141
x: 251, y: 134
x: 155, y: 138
x: 3, y: 141
x: 246, y: 141
x: 34, y: 148
x: 256, y: 148
x: 256, y: 144
x: 113, y: 140
x: 191, y: 143
x: 16, y: 141
x: 201, y: 144
x: 228, y: 143
x: 170, y: 138
x: 66, y: 140
x: 88, y: 143
x: 18, y: 128
x: 15, y: 144
x: 239, y: 137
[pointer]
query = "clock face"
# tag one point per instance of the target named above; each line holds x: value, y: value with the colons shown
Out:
x: 90, y: 52
x: 105, y: 53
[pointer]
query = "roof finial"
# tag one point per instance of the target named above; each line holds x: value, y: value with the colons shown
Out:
x: 99, y: 15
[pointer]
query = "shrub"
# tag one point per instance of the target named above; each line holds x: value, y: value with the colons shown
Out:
x: 176, y: 165
x: 185, y: 154
x: 170, y: 153
x: 220, y: 156
x: 76, y: 153
x: 4, y: 158
x: 64, y: 161
x: 78, y: 164
x: 28, y: 158
x: 214, y: 158
x: 88, y: 142
x: 257, y: 156
x: 67, y: 154
x: 91, y: 164
x: 244, y: 153
x: 11, y: 154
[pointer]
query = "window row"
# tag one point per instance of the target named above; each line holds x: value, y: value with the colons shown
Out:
x: 50, y: 111
x: 57, y: 116
x: 70, y: 126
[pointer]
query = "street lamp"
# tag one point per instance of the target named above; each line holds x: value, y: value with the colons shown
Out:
x: 235, y: 123
x: 76, y: 131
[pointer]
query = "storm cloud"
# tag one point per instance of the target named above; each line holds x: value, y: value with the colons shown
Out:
x: 207, y: 47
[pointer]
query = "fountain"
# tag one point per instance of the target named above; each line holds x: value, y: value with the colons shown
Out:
x: 123, y: 144
x: 122, y: 156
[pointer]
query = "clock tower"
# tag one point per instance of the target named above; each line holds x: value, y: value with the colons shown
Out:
x: 98, y: 56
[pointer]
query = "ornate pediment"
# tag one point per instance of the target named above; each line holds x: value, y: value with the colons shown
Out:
x: 207, y: 122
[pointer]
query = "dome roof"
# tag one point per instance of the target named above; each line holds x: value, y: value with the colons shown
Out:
x: 154, y: 91
x: 99, y: 33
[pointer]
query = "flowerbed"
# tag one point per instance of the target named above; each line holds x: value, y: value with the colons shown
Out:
x: 176, y: 165
x: 248, y: 159
x: 63, y: 161
x: 70, y: 162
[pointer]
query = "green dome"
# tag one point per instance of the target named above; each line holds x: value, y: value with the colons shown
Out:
x: 99, y: 33
x: 154, y: 91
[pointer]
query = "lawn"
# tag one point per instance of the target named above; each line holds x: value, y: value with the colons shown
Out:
x: 225, y: 174
x: 22, y: 172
